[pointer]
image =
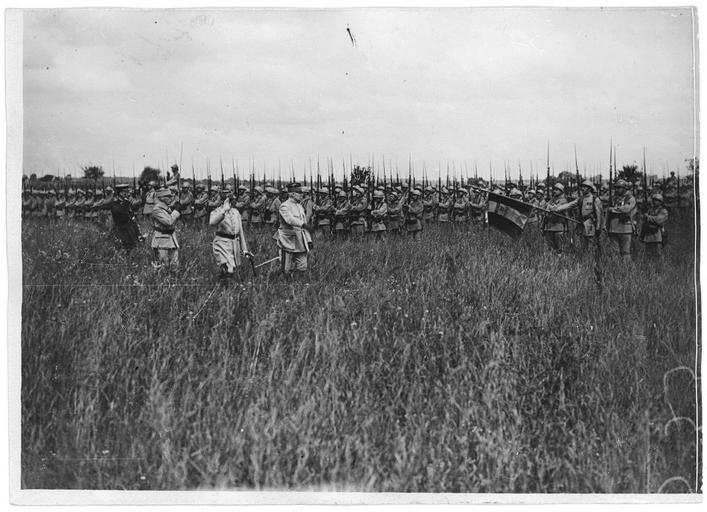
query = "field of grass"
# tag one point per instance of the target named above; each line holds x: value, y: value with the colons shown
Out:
x: 462, y: 363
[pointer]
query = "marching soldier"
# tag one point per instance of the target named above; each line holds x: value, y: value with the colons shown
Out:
x: 379, y: 211
x: 125, y: 225
x: 186, y: 203
x: 555, y: 227
x: 200, y: 204
x: 653, y: 228
x: 293, y: 232
x: 323, y: 209
x: 396, y: 217
x: 620, y: 220
x: 413, y: 215
x: 164, y: 242
x: 359, y: 204
x: 230, y: 241
x: 342, y: 209
x: 429, y: 205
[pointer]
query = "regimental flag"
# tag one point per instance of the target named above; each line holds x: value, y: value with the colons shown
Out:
x: 508, y: 215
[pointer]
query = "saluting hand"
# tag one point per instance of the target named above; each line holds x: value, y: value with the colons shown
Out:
x: 227, y: 204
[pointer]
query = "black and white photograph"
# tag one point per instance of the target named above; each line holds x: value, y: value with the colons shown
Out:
x: 354, y: 255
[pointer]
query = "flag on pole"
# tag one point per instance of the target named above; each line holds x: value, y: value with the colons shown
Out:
x: 508, y: 215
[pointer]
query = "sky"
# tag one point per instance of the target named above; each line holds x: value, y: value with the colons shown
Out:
x: 275, y: 89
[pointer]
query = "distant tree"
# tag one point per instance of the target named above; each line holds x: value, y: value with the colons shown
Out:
x: 47, y: 178
x: 92, y: 172
x: 67, y: 177
x: 360, y: 175
x: 693, y: 165
x: 629, y: 173
x: 149, y: 174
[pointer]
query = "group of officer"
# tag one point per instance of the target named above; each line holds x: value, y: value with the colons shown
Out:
x: 297, y: 213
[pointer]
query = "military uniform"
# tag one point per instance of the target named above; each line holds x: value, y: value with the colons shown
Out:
x: 341, y: 214
x: 80, y: 204
x: 590, y: 213
x: 429, y: 206
x: 229, y: 241
x: 164, y: 241
x: 257, y: 207
x: 71, y: 205
x: 243, y: 204
x: 200, y: 203
x: 460, y: 212
x: 149, y: 202
x: 396, y: 217
x: 413, y: 215
x: 272, y: 207
x: 323, y: 211
x: 653, y: 228
x: 359, y: 205
x: 186, y: 203
x: 477, y: 206
x: 555, y: 227
x: 379, y: 212
x: 444, y: 207
x: 125, y: 225
x: 214, y: 201
x: 620, y: 220
x: 292, y: 238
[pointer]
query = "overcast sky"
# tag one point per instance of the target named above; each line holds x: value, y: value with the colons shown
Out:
x: 462, y: 86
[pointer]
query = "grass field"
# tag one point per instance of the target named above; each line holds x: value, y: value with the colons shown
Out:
x: 463, y: 363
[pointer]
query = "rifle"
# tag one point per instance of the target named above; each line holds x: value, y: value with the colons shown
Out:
x: 645, y: 181
x: 547, y: 180
x: 223, y: 182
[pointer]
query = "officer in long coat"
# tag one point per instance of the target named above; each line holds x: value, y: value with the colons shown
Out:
x: 230, y: 239
x: 292, y: 234
x: 164, y: 241
x: 125, y: 225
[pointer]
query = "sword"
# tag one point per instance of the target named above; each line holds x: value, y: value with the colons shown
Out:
x: 252, y: 265
x: 276, y: 258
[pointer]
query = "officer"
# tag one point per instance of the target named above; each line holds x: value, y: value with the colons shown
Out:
x: 125, y: 225
x: 620, y: 220
x: 413, y: 215
x: 379, y: 212
x: 230, y: 239
x: 293, y: 237
x: 653, y: 228
x: 164, y: 242
x: 590, y: 213
x: 555, y: 227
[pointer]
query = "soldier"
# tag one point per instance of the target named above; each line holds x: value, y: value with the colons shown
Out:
x: 641, y: 206
x: 477, y: 205
x: 26, y: 204
x: 125, y: 225
x: 322, y: 210
x: 257, y: 207
x: 620, y: 220
x: 293, y: 232
x: 359, y: 204
x: 342, y: 209
x: 71, y: 204
x: 164, y: 242
x: 532, y: 198
x: 444, y: 206
x: 460, y: 211
x: 396, y: 218
x: 272, y: 207
x: 214, y: 200
x: 243, y: 204
x: 106, y: 205
x: 653, y: 228
x: 590, y: 213
x: 429, y: 205
x: 136, y: 202
x: 555, y: 227
x: 604, y: 197
x: 60, y: 206
x: 379, y: 212
x: 307, y: 204
x: 200, y: 204
x: 50, y: 205
x: 80, y: 204
x: 186, y: 202
x: 413, y: 215
x: 149, y: 199
x: 230, y: 239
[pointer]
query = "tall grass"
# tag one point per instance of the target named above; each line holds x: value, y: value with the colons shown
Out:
x: 462, y: 363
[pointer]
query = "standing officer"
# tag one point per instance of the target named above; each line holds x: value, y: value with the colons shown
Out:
x: 292, y: 234
x: 124, y: 224
x: 229, y: 241
x: 164, y: 242
x: 653, y: 228
x: 620, y: 220
x: 555, y: 227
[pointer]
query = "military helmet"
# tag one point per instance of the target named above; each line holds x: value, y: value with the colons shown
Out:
x: 415, y: 192
x: 378, y: 194
x: 122, y: 186
x: 271, y: 190
x: 515, y: 193
x: 200, y: 187
x: 258, y: 189
x: 657, y: 196
x: 242, y: 187
x: 163, y: 192
x: 341, y: 194
x: 559, y: 186
x: 621, y: 184
x: 589, y: 185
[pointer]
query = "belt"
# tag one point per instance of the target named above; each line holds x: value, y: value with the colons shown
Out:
x: 225, y: 235
x: 165, y: 231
